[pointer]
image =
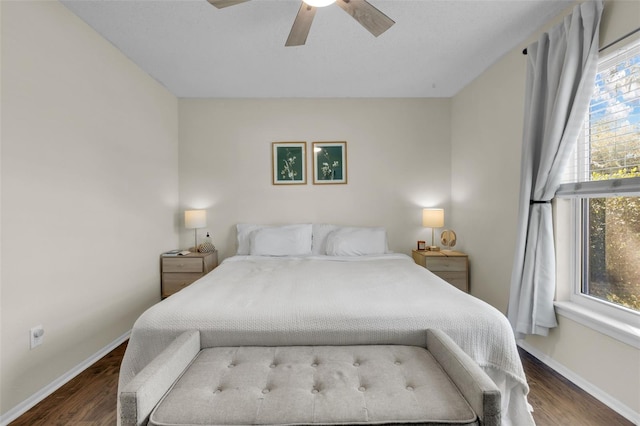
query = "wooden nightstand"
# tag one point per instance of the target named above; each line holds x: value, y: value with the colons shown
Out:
x: 180, y: 271
x: 452, y: 266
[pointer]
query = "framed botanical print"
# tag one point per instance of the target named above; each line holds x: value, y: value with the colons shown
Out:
x: 288, y: 163
x: 329, y: 163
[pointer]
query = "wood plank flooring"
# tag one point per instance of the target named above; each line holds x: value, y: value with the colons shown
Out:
x: 90, y: 399
x: 557, y: 401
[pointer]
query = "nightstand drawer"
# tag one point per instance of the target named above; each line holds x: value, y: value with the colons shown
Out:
x: 180, y: 271
x: 174, y: 282
x: 450, y: 265
x: 182, y: 264
x: 456, y: 279
x: 453, y: 264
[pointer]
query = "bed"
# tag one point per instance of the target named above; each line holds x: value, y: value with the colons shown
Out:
x: 329, y: 285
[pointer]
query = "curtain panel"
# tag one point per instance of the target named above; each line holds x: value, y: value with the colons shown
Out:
x: 561, y: 71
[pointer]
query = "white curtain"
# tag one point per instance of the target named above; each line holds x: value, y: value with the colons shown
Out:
x: 560, y: 81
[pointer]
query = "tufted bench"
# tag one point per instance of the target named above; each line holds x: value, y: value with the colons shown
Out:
x: 302, y: 385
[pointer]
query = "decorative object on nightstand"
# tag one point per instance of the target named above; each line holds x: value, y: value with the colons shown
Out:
x: 450, y: 265
x: 433, y: 218
x: 195, y: 219
x: 448, y: 238
x: 178, y: 272
x: 206, y: 246
x: 422, y: 245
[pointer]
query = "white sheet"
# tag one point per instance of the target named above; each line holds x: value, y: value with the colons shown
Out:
x: 322, y: 300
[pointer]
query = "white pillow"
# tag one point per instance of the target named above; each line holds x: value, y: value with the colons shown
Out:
x: 357, y: 241
x: 320, y: 233
x: 289, y: 240
x: 244, y: 231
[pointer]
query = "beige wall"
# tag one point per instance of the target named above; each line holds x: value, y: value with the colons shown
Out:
x: 90, y: 182
x: 398, y: 162
x: 486, y: 138
x: 89, y: 193
x: 593, y: 358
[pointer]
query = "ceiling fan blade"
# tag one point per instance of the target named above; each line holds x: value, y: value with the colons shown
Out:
x: 225, y: 3
x: 368, y: 15
x: 301, y: 26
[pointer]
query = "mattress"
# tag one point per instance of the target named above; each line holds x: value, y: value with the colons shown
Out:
x: 330, y: 300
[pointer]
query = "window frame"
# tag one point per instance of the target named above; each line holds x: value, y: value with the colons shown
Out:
x: 572, y: 255
x: 570, y: 303
x: 579, y: 212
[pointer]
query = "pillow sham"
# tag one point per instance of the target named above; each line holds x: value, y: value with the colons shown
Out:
x: 321, y: 232
x: 357, y: 241
x: 288, y: 240
x: 243, y: 233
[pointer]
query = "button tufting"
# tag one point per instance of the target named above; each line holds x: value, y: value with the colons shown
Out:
x: 314, y: 365
x: 265, y: 390
x: 314, y: 391
x: 218, y: 390
x: 272, y: 366
x: 231, y: 365
x: 409, y: 388
x: 356, y: 364
x: 397, y: 363
x: 361, y: 388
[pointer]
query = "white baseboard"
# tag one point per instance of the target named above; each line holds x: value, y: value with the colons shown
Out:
x: 30, y: 402
x: 596, y: 392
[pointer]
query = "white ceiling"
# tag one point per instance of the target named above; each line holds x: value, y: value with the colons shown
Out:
x: 435, y: 48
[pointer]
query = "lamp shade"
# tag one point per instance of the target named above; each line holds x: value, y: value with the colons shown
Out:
x: 433, y: 218
x: 195, y: 219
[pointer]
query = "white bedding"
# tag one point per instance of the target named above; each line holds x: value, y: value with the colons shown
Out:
x: 323, y: 300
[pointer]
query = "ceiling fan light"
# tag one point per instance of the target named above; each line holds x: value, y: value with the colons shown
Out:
x: 319, y: 3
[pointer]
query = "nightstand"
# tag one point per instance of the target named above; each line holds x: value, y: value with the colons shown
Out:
x: 179, y: 271
x: 450, y: 265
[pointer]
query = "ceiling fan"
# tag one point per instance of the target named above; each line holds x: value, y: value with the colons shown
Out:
x: 362, y: 11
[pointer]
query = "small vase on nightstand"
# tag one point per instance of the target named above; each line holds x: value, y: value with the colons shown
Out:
x: 206, y: 246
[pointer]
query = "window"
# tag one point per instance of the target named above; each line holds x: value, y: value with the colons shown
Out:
x: 611, y: 250
x: 604, y: 179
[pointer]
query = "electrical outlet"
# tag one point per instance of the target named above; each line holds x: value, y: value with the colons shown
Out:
x: 36, y: 336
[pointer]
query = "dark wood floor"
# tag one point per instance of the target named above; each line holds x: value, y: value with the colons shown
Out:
x: 90, y: 398
x: 557, y: 401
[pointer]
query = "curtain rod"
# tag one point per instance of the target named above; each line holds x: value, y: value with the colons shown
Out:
x: 524, y: 52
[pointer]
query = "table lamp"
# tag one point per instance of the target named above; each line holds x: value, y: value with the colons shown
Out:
x: 195, y: 219
x: 433, y: 218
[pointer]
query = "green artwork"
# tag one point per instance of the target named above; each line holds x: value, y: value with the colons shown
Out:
x: 329, y: 163
x: 289, y: 163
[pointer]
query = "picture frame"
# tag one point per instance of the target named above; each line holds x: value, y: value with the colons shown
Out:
x: 422, y: 245
x: 329, y: 163
x: 289, y: 163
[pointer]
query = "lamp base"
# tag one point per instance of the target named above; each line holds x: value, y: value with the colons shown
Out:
x: 195, y: 240
x: 433, y: 247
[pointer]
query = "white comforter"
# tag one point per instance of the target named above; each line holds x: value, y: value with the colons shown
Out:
x: 324, y: 300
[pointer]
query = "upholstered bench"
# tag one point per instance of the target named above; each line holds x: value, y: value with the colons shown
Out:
x: 303, y: 385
